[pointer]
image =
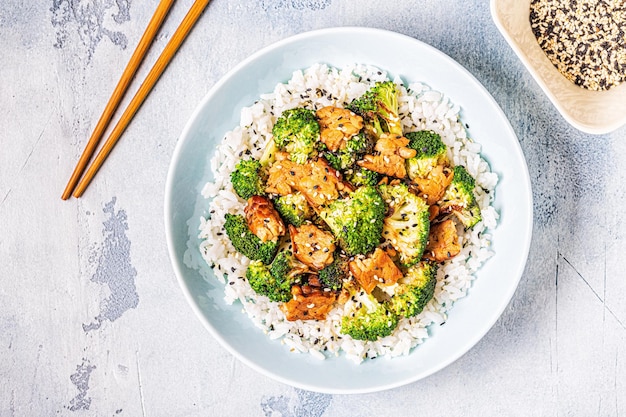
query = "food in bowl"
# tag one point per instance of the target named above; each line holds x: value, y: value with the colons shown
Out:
x: 348, y: 212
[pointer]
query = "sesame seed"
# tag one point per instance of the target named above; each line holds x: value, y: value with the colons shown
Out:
x: 583, y: 39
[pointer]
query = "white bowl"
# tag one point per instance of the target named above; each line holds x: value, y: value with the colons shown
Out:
x: 218, y: 113
x: 595, y: 112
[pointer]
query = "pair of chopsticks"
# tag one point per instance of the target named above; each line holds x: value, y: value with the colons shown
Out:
x: 76, y: 186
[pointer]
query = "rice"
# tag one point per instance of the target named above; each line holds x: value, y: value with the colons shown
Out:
x: 320, y: 85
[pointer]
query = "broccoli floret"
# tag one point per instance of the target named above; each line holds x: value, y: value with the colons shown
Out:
x: 246, y: 242
x: 345, y: 158
x: 357, y: 220
x: 340, y: 160
x: 246, y: 178
x: 297, y: 132
x: 459, y: 198
x: 365, y: 318
x: 426, y: 142
x: 333, y: 275
x: 294, y: 208
x: 275, y: 280
x: 431, y: 151
x: 406, y: 229
x: 379, y: 109
x: 287, y: 267
x: 269, y: 154
x: 414, y: 290
x: 263, y: 282
x: 359, y: 176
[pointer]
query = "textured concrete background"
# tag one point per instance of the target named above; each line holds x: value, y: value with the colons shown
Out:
x: 92, y: 321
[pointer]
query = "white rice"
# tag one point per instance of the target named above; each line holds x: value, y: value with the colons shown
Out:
x: 318, y: 86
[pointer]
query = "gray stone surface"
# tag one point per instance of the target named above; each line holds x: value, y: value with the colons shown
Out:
x: 92, y: 321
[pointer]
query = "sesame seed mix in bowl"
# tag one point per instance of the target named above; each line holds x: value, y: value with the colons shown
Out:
x: 348, y: 212
x: 584, y: 39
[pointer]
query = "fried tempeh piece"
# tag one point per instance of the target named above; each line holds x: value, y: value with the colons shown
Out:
x: 392, y: 152
x: 312, y: 245
x: 337, y: 125
x: 284, y: 174
x: 263, y: 219
x: 316, y: 180
x: 322, y: 185
x: 443, y: 242
x: 312, y: 306
x: 433, y: 187
x: 377, y: 269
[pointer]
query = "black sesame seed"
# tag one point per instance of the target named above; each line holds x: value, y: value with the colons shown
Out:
x: 583, y: 39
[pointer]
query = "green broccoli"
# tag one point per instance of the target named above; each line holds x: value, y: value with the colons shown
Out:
x: 356, y: 221
x: 414, y: 290
x: 294, y: 208
x: 365, y: 318
x: 246, y: 242
x: 246, y: 178
x: 359, y: 176
x: 264, y: 283
x: 379, y: 109
x: 286, y: 267
x: 275, y: 281
x: 459, y: 198
x: 431, y: 151
x: 297, y: 132
x: 345, y: 158
x: 406, y: 229
x: 269, y: 154
x: 340, y: 160
x: 333, y: 275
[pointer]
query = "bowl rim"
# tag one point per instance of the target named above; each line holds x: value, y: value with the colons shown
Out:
x: 177, y: 263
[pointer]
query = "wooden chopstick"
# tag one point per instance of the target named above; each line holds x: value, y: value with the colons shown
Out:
x: 166, y: 56
x: 122, y: 85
